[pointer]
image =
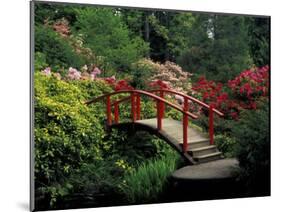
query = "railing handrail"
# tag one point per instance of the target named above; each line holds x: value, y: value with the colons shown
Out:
x: 177, y: 93
x: 188, y: 97
x: 144, y: 93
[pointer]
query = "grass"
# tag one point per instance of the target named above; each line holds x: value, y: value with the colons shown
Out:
x: 148, y: 181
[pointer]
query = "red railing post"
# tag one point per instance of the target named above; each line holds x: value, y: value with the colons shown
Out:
x: 108, y: 110
x: 185, y: 126
x: 116, y: 113
x: 138, y: 107
x: 159, y: 117
x: 162, y: 104
x: 211, y: 125
x: 133, y: 107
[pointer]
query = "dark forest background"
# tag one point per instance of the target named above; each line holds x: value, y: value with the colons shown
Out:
x: 216, y: 45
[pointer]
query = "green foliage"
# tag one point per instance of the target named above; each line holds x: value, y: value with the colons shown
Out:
x: 253, y: 148
x: 91, y: 89
x: 226, y: 145
x: 174, y: 114
x: 133, y: 147
x: 39, y: 61
x: 148, y: 109
x: 99, y: 178
x: 181, y: 24
x: 104, y: 32
x: 57, y: 50
x: 45, y: 12
x: 221, y: 125
x: 148, y: 181
x: 67, y: 132
x: 141, y: 72
x: 218, y: 47
x: 230, y: 53
x: 259, y: 35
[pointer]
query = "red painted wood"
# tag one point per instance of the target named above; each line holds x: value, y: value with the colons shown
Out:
x: 159, y: 114
x: 148, y: 94
x: 187, y: 96
x: 162, y: 105
x: 211, y: 125
x: 185, y: 136
x: 185, y: 126
x: 108, y: 110
x: 133, y: 107
x: 116, y: 113
x: 138, y: 107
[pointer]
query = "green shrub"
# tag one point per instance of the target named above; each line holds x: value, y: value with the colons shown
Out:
x: 253, y: 148
x: 57, y: 50
x: 221, y: 125
x: 67, y: 132
x: 40, y: 61
x: 225, y: 144
x: 141, y: 72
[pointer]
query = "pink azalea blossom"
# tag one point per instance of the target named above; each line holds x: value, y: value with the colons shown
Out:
x: 73, y: 74
x: 179, y: 98
x: 47, y: 71
x: 92, y: 76
x: 97, y: 71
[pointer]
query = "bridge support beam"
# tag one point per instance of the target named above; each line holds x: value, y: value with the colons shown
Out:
x: 185, y: 126
x: 138, y: 107
x: 133, y: 106
x: 162, y: 105
x: 211, y: 125
x: 159, y: 115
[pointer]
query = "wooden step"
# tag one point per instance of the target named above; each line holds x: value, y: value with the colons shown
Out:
x: 205, y: 150
x: 198, y: 143
x: 208, y: 157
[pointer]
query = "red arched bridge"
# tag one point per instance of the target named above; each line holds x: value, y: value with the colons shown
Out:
x: 194, y: 145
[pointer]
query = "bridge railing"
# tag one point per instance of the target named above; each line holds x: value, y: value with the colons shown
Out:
x: 135, y: 99
x: 210, y: 108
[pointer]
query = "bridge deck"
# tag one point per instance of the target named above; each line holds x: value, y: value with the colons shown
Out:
x: 173, y: 129
x: 199, y: 148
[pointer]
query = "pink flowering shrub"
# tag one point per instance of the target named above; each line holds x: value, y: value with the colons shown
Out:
x: 73, y: 74
x: 169, y: 73
x: 46, y: 71
x: 96, y: 71
x: 62, y: 27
